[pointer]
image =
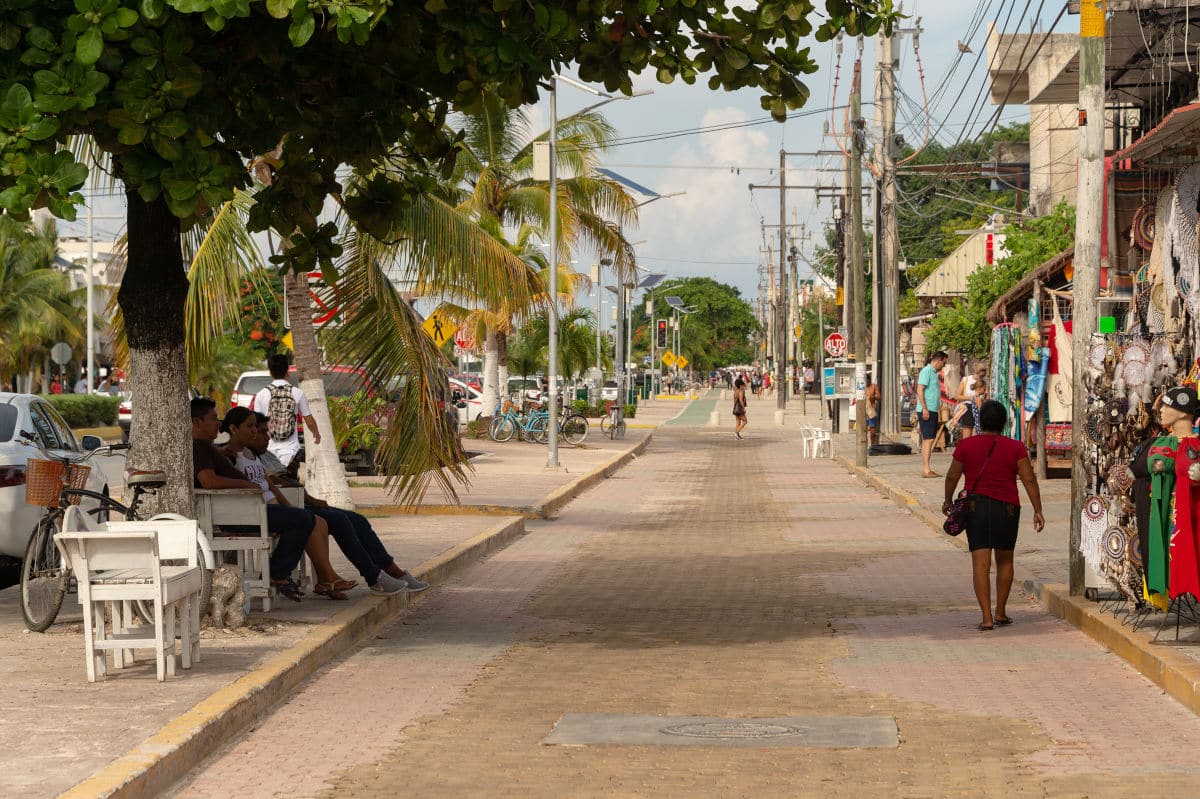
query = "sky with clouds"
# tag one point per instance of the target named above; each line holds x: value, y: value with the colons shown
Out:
x: 713, y: 229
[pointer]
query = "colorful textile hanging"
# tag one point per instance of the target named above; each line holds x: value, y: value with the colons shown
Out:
x: 1005, y: 374
x: 1184, y: 554
x: 1161, y: 462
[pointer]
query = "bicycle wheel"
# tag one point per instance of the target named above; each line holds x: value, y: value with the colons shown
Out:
x: 43, y: 576
x: 574, y: 429
x: 605, y: 423
x: 503, y: 429
x: 537, y: 430
x: 145, y: 608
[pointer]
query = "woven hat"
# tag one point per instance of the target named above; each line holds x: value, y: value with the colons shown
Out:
x: 1183, y: 399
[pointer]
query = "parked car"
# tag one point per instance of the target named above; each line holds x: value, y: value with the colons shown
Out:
x: 27, y: 412
x: 467, y: 400
x: 125, y: 412
x: 531, y: 387
x: 610, y: 391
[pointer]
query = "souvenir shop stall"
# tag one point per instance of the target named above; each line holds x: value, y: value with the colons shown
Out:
x: 1140, y: 522
x: 1030, y: 364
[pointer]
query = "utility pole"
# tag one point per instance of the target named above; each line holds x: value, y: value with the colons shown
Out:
x: 888, y: 234
x: 1089, y: 206
x: 858, y: 320
x: 782, y: 335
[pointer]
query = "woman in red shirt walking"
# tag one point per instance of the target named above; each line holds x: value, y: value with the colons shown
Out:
x: 992, y: 463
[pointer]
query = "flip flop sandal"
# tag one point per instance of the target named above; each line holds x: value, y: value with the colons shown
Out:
x: 329, y: 590
x: 344, y: 585
x: 287, y: 588
x: 1003, y: 622
x: 985, y: 628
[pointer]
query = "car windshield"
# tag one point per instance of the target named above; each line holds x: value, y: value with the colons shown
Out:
x: 253, y: 384
x: 522, y: 382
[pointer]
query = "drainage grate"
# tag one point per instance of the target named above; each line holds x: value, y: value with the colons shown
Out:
x: 849, y: 732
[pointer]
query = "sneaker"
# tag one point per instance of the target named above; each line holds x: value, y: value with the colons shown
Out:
x: 414, y: 583
x: 387, y: 585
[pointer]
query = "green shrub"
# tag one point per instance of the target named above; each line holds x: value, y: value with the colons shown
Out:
x: 580, y: 405
x: 85, y: 410
x: 630, y: 410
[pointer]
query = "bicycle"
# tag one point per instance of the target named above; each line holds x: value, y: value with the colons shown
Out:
x: 612, y: 424
x: 56, y: 483
x: 508, y: 422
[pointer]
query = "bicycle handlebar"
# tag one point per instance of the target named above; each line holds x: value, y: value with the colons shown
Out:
x: 28, y: 439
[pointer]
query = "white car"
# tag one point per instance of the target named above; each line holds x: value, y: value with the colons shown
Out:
x: 468, y: 400
x: 531, y: 387
x: 27, y: 412
x: 610, y: 391
x: 248, y: 384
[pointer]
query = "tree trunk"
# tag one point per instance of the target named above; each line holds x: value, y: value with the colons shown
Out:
x: 502, y: 364
x: 326, y: 479
x: 491, y: 385
x: 152, y: 296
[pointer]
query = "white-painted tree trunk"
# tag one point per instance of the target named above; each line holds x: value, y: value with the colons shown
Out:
x: 324, y: 478
x: 502, y: 364
x: 491, y: 378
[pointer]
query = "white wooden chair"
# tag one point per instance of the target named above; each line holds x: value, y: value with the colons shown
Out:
x: 235, y: 520
x: 118, y: 567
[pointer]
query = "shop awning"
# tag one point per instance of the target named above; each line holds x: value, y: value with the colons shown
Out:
x: 1176, y: 135
x: 1050, y: 274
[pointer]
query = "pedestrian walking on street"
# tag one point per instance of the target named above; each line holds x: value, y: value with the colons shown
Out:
x: 929, y: 399
x: 992, y: 462
x: 739, y: 407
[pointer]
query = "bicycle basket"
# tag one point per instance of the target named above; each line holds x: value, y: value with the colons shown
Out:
x: 44, y: 481
x: 507, y: 406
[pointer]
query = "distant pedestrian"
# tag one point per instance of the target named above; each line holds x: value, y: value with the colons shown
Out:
x: 284, y: 404
x: 756, y: 384
x: 929, y: 399
x: 739, y: 407
x: 810, y: 378
x: 992, y: 462
x: 874, y: 399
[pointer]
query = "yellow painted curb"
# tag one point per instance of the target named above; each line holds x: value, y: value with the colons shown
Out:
x: 164, y: 758
x: 1172, y: 671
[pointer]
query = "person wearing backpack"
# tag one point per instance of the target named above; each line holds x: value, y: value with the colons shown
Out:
x: 284, y: 404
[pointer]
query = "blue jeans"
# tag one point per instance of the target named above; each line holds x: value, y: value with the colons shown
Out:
x: 293, y: 526
x: 357, y: 540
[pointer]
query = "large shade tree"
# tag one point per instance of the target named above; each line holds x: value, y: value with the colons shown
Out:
x: 183, y: 93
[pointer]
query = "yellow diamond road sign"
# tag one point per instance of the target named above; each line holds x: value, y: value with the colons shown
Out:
x: 668, y: 358
x: 681, y: 362
x: 439, y: 327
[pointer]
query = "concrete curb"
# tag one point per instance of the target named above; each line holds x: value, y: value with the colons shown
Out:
x: 1175, y: 673
x: 544, y: 509
x: 164, y: 758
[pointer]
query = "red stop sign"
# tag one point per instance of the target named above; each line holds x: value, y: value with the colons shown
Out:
x: 835, y: 345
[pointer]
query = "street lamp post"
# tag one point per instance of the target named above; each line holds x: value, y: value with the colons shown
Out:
x: 552, y: 366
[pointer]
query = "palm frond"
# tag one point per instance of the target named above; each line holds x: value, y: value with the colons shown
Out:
x: 382, y: 334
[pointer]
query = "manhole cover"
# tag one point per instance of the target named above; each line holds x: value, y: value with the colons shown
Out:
x: 733, y: 728
x: 643, y: 729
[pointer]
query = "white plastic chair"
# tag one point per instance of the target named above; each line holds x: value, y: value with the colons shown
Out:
x: 117, y: 567
x: 806, y: 433
x: 820, y: 444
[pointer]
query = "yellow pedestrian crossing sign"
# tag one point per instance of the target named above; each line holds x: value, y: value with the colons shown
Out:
x: 668, y: 358
x: 682, y: 362
x: 439, y: 327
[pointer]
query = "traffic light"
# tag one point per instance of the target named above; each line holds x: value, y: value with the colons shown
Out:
x: 662, y: 333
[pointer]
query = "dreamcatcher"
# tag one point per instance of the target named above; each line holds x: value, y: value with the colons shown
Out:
x: 1141, y: 233
x: 1093, y: 525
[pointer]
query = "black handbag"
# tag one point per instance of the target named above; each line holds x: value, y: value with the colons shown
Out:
x: 956, y: 519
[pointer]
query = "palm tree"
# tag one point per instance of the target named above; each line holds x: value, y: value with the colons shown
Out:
x: 37, y: 304
x: 576, y: 340
x: 494, y: 182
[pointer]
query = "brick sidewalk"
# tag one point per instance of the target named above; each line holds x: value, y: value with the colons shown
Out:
x: 720, y: 578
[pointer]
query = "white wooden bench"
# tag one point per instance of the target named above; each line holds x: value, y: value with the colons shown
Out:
x: 235, y: 520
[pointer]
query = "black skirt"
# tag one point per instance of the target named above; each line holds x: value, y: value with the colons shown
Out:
x: 992, y: 524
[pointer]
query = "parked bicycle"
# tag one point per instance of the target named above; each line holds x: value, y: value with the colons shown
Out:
x: 56, y: 483
x: 612, y: 424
